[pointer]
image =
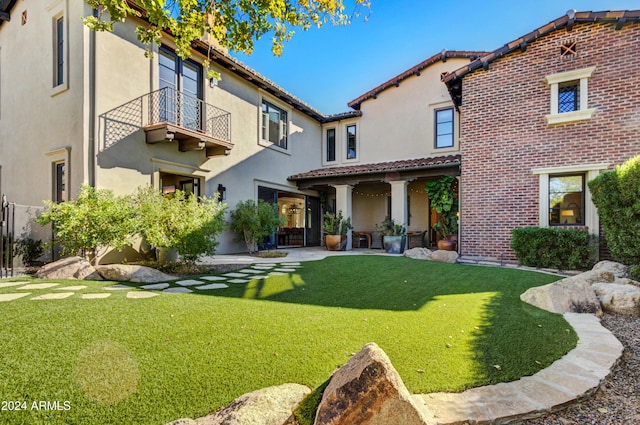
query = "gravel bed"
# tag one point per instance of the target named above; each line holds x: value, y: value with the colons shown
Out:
x: 617, y: 402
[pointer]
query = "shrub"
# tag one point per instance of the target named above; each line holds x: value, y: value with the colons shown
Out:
x: 96, y: 220
x: 557, y: 248
x: 254, y: 221
x: 616, y: 194
x: 188, y: 223
x: 336, y: 224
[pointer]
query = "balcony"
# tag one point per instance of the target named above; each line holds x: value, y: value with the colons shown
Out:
x: 170, y: 116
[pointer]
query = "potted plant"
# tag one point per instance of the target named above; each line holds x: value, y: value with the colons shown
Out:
x: 442, y: 196
x: 336, y: 227
x: 394, y: 236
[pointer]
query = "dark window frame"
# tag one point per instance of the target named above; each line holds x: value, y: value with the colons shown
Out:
x: 59, y: 51
x: 573, y: 209
x: 352, y: 141
x: 568, y: 96
x: 330, y: 150
x: 283, y: 124
x: 437, y: 127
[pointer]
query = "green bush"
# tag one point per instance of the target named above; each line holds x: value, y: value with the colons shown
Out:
x: 95, y: 221
x: 616, y: 193
x: 254, y: 221
x: 551, y: 247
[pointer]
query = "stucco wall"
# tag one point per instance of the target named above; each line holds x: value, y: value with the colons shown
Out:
x: 504, y: 137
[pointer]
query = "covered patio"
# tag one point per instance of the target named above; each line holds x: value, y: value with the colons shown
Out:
x: 370, y: 193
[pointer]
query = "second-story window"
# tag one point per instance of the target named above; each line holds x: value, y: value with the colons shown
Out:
x: 275, y: 125
x: 568, y: 96
x: 180, y: 83
x: 58, y: 78
x: 444, y: 128
x: 352, y: 145
x: 331, y: 145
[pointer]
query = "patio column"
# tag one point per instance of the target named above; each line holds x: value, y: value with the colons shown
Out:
x: 399, y: 213
x: 343, y: 203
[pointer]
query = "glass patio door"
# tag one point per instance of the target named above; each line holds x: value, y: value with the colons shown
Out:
x: 180, y: 84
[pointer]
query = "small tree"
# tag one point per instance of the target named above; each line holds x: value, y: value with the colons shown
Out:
x: 616, y: 193
x: 95, y: 221
x: 189, y: 224
x: 254, y: 221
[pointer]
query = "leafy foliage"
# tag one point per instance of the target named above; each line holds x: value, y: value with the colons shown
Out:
x: 551, y: 247
x: 188, y: 223
x: 390, y: 228
x: 442, y: 197
x: 254, y: 221
x: 96, y: 220
x: 235, y: 24
x: 336, y: 224
x: 616, y: 193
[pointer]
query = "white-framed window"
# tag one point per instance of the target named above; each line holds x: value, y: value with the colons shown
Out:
x: 351, y: 141
x: 444, y: 135
x: 59, y: 46
x: 274, y: 125
x: 330, y: 145
x: 565, y: 198
x: 569, y: 96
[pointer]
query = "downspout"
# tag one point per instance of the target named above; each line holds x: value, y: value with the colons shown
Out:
x: 91, y: 148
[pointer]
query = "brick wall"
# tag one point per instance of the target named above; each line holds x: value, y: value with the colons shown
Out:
x: 504, y: 136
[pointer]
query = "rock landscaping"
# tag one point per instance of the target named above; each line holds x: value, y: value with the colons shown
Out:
x: 438, y: 255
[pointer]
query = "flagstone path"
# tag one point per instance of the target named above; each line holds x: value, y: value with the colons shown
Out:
x: 57, y: 291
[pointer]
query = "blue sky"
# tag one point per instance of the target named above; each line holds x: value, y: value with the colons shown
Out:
x: 329, y: 67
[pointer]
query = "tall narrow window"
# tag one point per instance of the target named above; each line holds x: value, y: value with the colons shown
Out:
x: 59, y: 51
x: 351, y: 142
x: 275, y: 125
x: 331, y: 144
x: 444, y: 128
x: 566, y: 199
x: 60, y: 182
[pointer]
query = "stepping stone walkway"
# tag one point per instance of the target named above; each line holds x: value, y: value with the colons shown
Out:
x: 204, y: 283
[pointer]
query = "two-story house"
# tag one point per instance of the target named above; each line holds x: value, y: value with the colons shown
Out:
x: 541, y: 116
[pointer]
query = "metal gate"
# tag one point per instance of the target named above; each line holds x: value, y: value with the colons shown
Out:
x: 7, y: 232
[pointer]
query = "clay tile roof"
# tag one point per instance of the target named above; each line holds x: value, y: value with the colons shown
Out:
x: 442, y: 56
x: 620, y: 17
x: 380, y: 167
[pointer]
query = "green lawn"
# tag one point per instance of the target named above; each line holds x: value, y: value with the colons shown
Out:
x: 119, y: 360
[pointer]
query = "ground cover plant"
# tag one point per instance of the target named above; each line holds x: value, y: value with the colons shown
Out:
x: 121, y: 360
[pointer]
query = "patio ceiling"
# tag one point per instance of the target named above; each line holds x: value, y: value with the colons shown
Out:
x: 409, y: 169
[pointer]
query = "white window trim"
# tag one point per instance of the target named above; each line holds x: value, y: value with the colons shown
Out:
x: 59, y: 9
x: 285, y: 108
x: 344, y: 146
x: 584, y: 113
x: 336, y: 129
x: 590, y: 171
x: 431, y: 136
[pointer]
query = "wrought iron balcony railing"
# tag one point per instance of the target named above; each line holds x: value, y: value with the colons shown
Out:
x: 169, y: 107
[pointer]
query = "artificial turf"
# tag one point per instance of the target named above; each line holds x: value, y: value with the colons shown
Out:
x: 119, y: 360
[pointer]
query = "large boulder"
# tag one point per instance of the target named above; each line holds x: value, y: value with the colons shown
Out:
x: 619, y: 298
x: 443, y: 256
x: 617, y: 269
x: 418, y: 253
x: 369, y: 391
x: 267, y: 406
x: 69, y: 268
x: 132, y: 273
x: 568, y: 295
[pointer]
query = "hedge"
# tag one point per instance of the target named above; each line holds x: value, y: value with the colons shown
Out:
x: 553, y: 247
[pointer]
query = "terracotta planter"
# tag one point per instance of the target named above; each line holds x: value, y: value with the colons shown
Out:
x: 446, y: 245
x: 335, y: 242
x: 394, y: 244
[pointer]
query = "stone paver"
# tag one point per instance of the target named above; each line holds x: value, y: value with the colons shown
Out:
x: 213, y: 278
x: 71, y: 288
x: 8, y: 284
x: 94, y: 296
x: 38, y: 286
x: 573, y: 377
x: 156, y: 286
x: 11, y: 297
x: 285, y: 270
x: 212, y: 286
x: 238, y: 281
x: 177, y: 290
x: 56, y: 296
x: 118, y: 287
x: 251, y: 271
x: 235, y: 274
x: 138, y: 295
x: 189, y: 282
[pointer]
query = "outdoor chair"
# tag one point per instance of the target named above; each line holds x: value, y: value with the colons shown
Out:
x: 416, y: 239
